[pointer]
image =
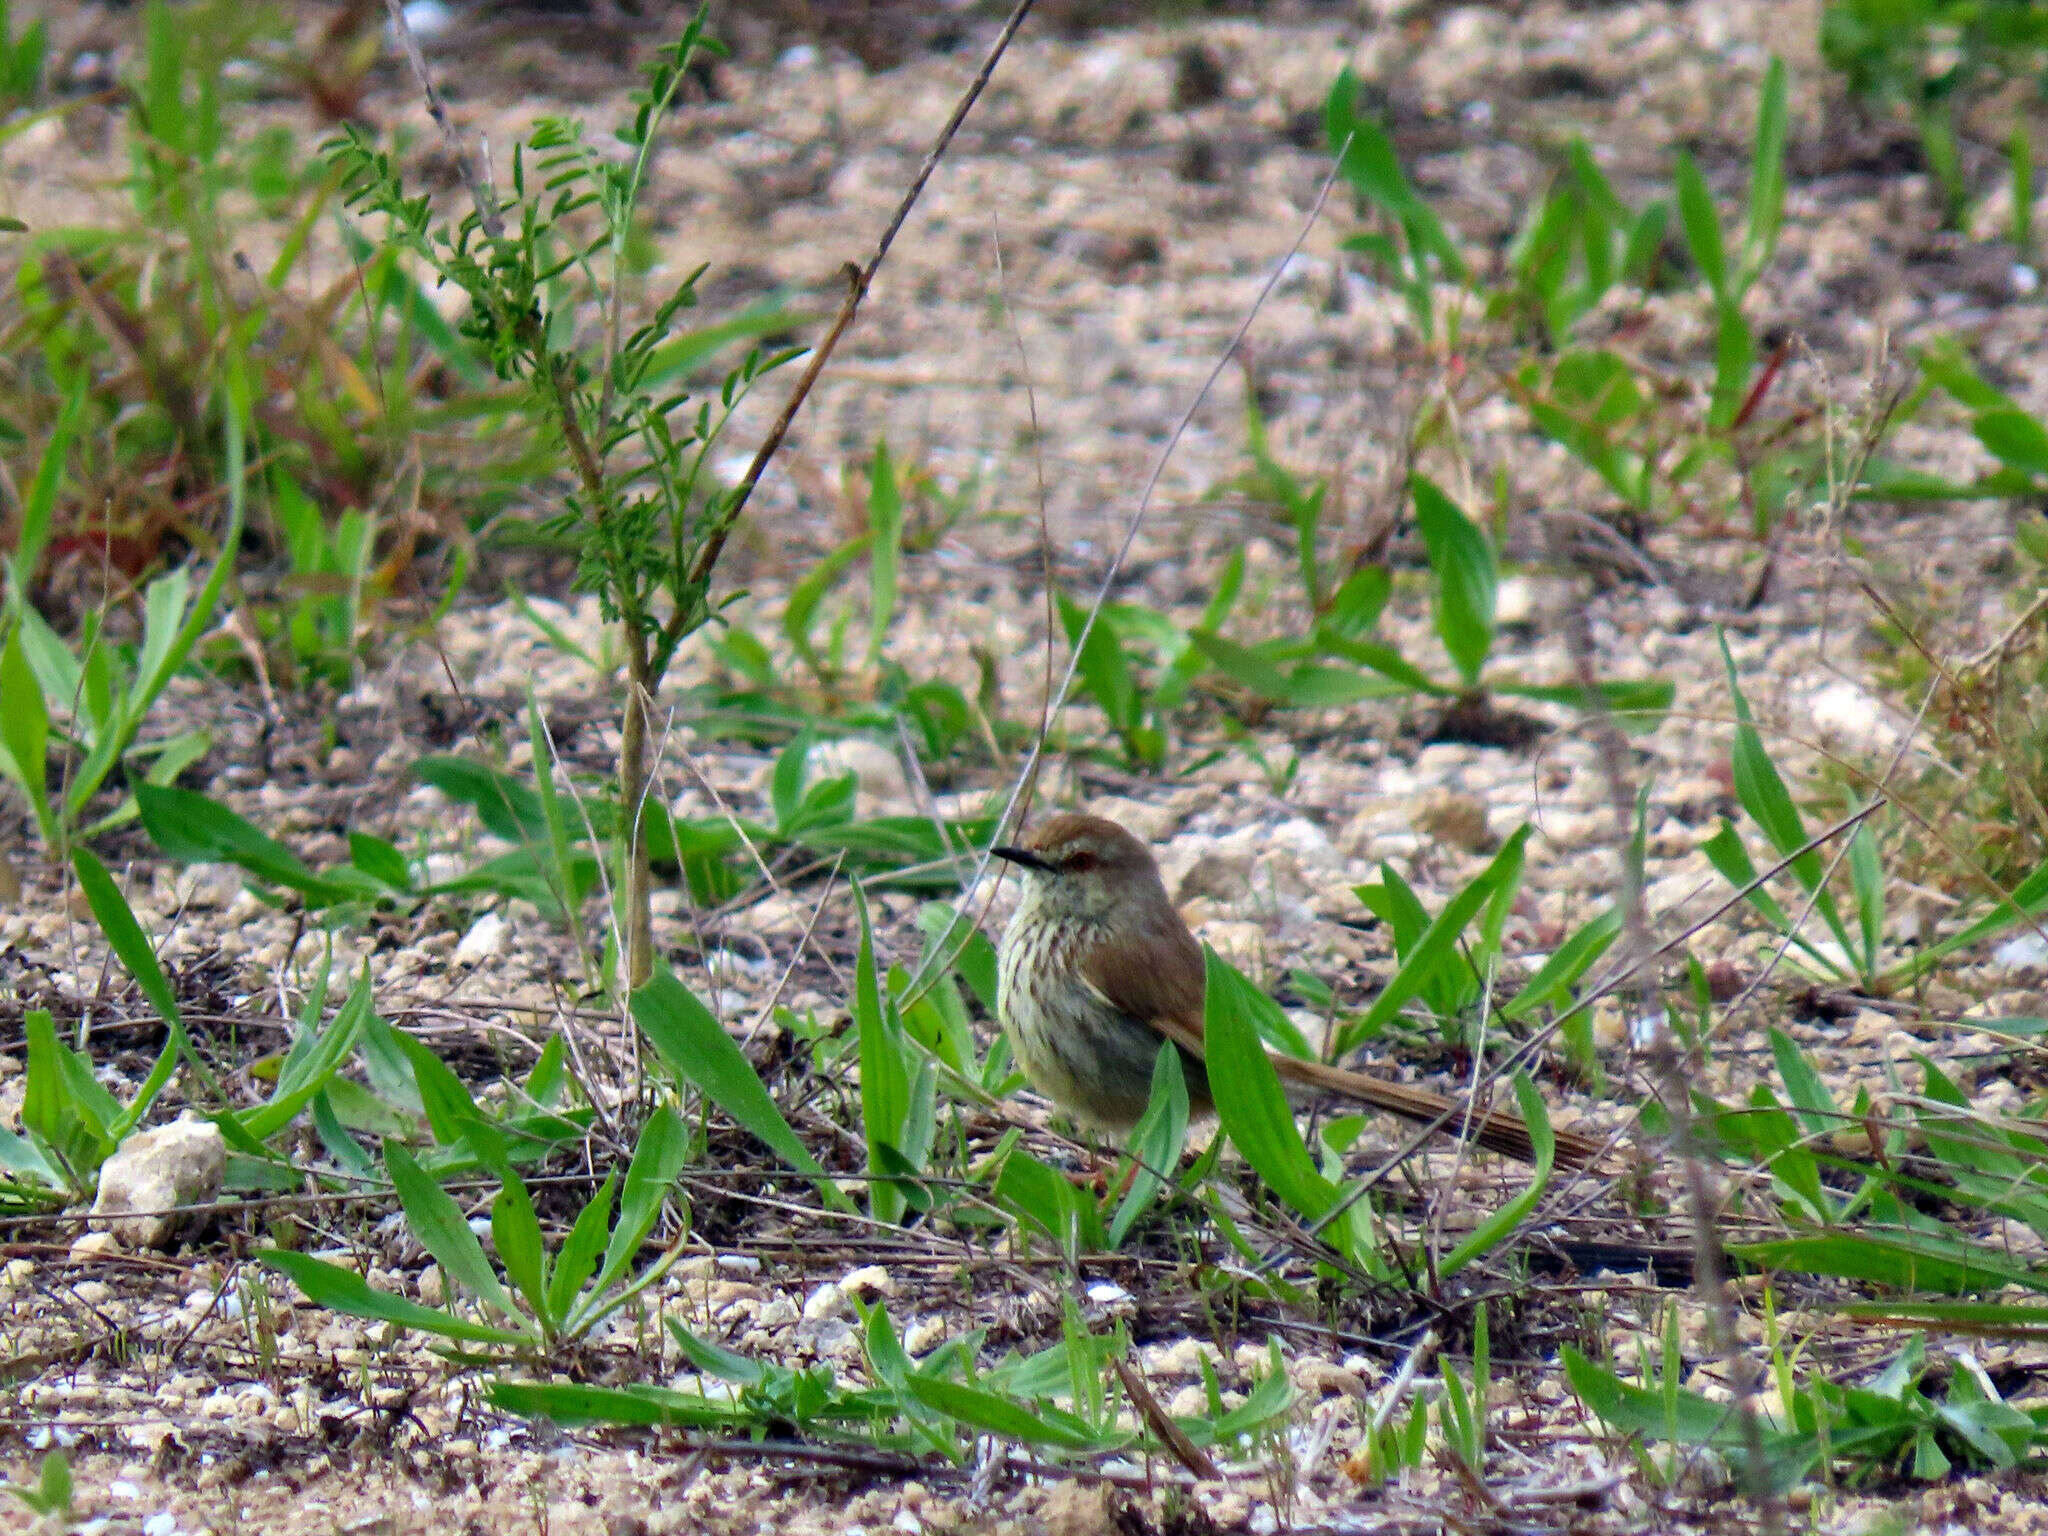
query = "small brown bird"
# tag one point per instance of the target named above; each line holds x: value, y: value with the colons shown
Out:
x: 1097, y: 967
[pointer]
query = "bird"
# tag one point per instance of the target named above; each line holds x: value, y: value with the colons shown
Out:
x: 1097, y: 968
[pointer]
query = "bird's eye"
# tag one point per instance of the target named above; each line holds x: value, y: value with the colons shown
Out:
x: 1079, y: 863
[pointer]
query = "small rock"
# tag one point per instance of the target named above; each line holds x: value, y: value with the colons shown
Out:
x: 487, y: 936
x: 1847, y: 714
x: 1563, y: 828
x: 881, y: 787
x: 1148, y: 822
x: 1082, y: 1509
x: 178, y: 1164
x: 1457, y: 820
x: 88, y: 1246
x: 1256, y: 864
x: 1198, y: 76
x: 868, y: 1282
x: 827, y: 1301
x: 2023, y: 952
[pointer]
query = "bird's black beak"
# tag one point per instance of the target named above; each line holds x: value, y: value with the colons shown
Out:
x: 1025, y: 857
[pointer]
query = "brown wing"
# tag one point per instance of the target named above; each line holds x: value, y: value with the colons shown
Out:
x: 1157, y: 973
x: 1156, y: 980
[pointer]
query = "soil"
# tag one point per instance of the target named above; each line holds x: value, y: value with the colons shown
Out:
x: 1114, y: 210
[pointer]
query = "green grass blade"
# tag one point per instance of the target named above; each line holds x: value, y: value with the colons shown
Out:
x: 692, y: 1042
x: 1501, y: 1225
x: 1466, y: 580
x: 437, y: 1221
x: 1250, y: 1102
x: 25, y: 733
x: 343, y: 1290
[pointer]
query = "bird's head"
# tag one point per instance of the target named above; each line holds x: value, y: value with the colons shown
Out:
x: 1085, y: 866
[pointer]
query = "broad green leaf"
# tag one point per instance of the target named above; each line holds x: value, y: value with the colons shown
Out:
x: 1763, y: 794
x: 506, y: 807
x: 2015, y: 438
x: 125, y: 937
x: 343, y: 1290
x: 686, y: 1036
x: 658, y: 1160
x: 41, y: 501
x: 577, y: 1261
x: 1436, y: 946
x: 1156, y: 1142
x: 1465, y: 577
x: 1356, y: 606
x: 1701, y: 223
x: 316, y: 1055
x: 1243, y: 665
x: 25, y: 733
x: 515, y: 1234
x: 189, y: 827
x: 60, y: 1109
x: 1044, y: 1196
x: 1383, y: 659
x: 1902, y: 1258
x: 1250, y: 1102
x: 804, y: 597
x: 437, y: 1221
x: 1103, y: 669
x: 1811, y: 1101
x: 1565, y: 965
x: 451, y: 1113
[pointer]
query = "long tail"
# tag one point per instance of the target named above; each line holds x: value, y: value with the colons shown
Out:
x: 1498, y: 1130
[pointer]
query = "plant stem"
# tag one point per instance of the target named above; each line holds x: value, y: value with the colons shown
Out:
x: 638, y: 885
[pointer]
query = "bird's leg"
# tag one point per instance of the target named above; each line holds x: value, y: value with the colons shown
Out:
x: 1091, y: 1175
x: 1095, y: 1174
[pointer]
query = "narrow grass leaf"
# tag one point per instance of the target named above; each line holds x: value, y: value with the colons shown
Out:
x: 1565, y: 965
x: 686, y: 1036
x: 1701, y: 223
x: 437, y: 1221
x: 996, y: 1415
x: 1250, y: 1102
x: 124, y: 935
x: 572, y: 1406
x: 1766, y: 173
x: 25, y: 732
x: 577, y: 1260
x: 1466, y: 580
x: 343, y: 1290
x: 885, y: 523
x: 1501, y: 1225
x: 1156, y: 1142
x: 884, y: 1074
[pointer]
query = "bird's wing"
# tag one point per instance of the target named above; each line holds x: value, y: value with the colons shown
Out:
x: 1156, y: 977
